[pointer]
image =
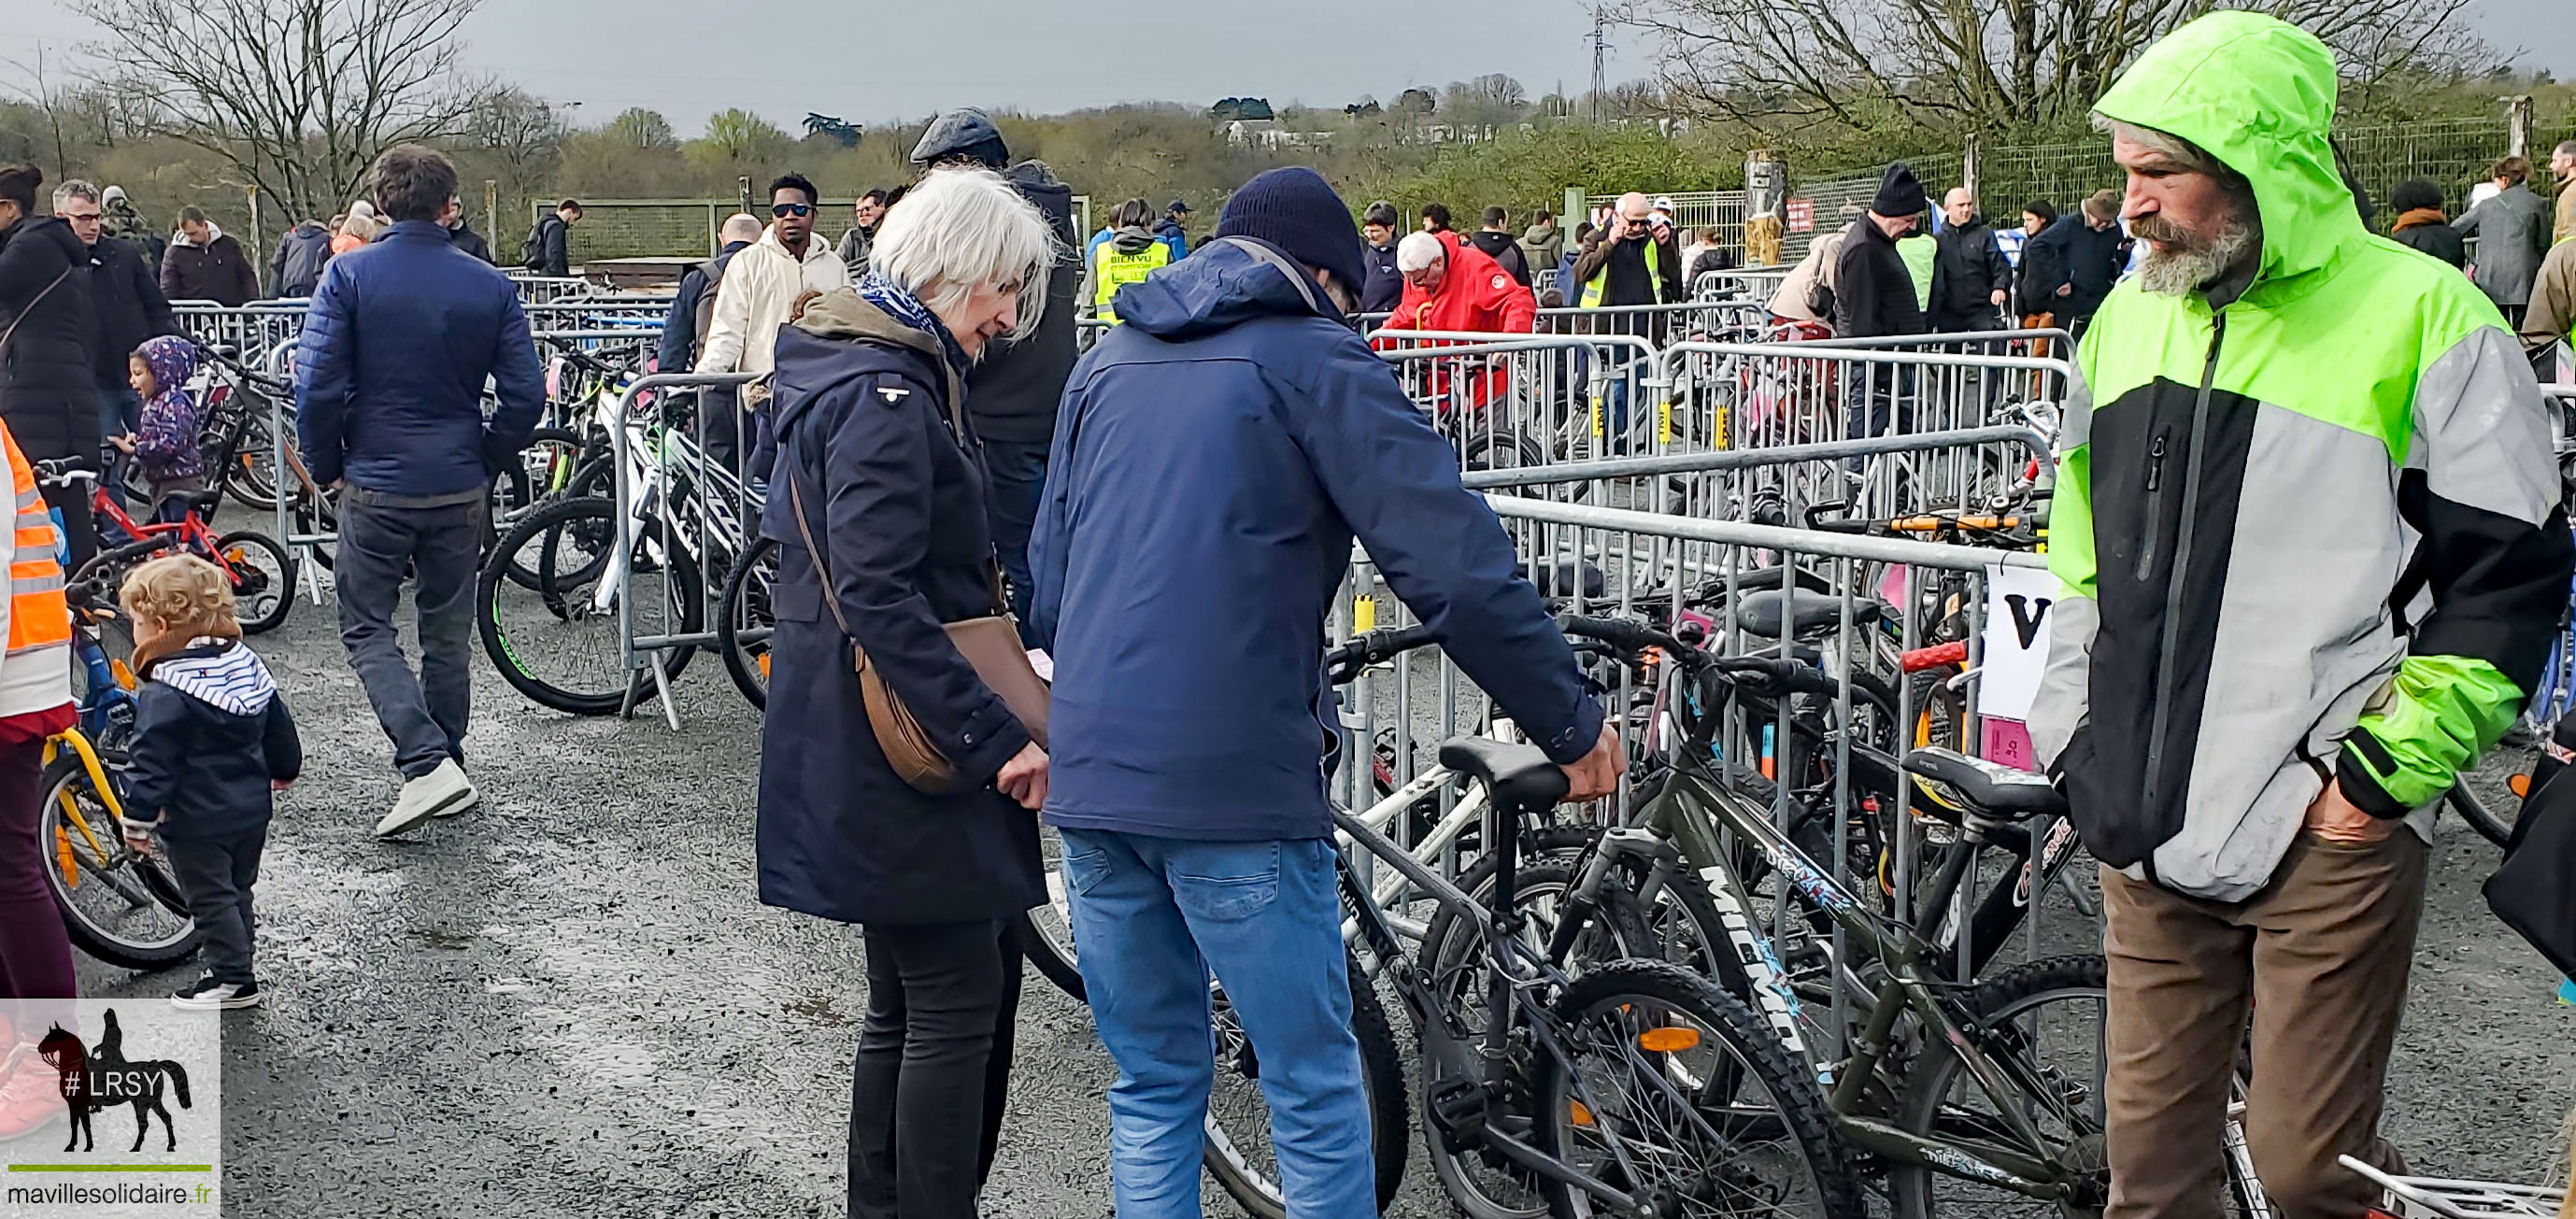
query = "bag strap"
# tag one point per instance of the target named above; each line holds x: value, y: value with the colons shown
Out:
x: 32, y: 303
x: 796, y: 503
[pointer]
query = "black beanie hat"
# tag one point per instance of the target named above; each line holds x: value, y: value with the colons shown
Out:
x: 1899, y: 193
x: 1294, y: 209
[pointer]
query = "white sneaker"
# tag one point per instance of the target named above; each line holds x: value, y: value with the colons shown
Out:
x: 441, y: 792
x: 208, y: 995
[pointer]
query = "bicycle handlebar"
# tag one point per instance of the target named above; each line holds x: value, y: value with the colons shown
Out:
x: 1766, y: 673
x: 1343, y: 664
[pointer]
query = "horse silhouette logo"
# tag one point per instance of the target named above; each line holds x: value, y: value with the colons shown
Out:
x: 99, y: 1078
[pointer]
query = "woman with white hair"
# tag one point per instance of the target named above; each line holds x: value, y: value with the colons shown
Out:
x: 878, y: 503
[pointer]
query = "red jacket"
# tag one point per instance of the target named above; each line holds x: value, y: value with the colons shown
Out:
x: 1478, y: 295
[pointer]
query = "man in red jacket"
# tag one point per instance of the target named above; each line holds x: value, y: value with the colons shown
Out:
x: 1455, y: 287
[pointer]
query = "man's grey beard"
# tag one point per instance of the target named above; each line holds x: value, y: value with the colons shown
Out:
x: 2180, y: 262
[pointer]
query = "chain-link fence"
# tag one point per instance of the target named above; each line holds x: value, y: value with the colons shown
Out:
x: 1822, y: 207
x: 2009, y: 179
x: 2452, y: 154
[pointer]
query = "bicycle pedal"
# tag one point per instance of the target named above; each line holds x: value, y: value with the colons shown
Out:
x: 1457, y: 1112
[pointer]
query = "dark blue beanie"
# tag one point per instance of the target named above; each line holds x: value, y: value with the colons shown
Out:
x: 1294, y: 209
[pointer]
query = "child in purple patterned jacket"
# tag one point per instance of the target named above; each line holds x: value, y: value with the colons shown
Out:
x: 169, y: 444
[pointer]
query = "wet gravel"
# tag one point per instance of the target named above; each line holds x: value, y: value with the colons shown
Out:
x: 569, y: 1002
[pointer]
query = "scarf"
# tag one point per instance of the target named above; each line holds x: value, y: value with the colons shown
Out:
x: 2417, y: 217
x: 901, y: 305
x: 179, y: 237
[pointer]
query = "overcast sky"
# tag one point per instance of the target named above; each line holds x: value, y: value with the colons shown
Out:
x: 874, y: 61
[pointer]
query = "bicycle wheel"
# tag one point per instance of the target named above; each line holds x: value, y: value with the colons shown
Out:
x: 558, y: 644
x: 543, y: 471
x: 1239, y: 1154
x: 251, y: 477
x: 1665, y: 1087
x: 2473, y: 809
x: 1457, y: 963
x: 117, y: 906
x: 744, y: 623
x: 1046, y: 932
x: 2041, y: 1022
x: 263, y: 577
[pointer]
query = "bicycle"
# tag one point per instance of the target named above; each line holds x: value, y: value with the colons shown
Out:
x: 1945, y: 1086
x: 117, y: 905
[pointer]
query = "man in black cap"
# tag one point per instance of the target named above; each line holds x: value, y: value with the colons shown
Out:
x: 1221, y: 448
x: 1874, y: 295
x: 1011, y: 393
x: 1174, y: 230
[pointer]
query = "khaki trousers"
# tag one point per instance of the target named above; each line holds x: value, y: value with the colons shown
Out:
x: 2320, y: 958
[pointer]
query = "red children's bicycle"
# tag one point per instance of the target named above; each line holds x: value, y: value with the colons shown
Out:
x: 262, y: 575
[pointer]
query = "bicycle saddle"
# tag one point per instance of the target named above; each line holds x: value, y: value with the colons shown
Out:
x: 1990, y: 788
x: 1519, y: 776
x: 203, y: 502
x: 1808, y: 612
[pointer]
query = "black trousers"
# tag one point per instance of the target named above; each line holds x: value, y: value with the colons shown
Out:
x: 216, y: 873
x: 934, y: 1067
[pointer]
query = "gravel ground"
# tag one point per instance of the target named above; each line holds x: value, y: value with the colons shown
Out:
x: 569, y: 1002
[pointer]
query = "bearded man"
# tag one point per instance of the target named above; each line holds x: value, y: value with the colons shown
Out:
x: 2313, y: 555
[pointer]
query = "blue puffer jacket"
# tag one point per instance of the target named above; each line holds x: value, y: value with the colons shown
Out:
x: 1213, y: 458
x: 389, y: 372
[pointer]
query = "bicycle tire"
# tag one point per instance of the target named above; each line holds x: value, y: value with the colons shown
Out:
x: 515, y: 492
x: 1660, y: 990
x: 64, y: 778
x: 1381, y: 1077
x: 1454, y: 959
x: 250, y: 476
x: 1046, y: 932
x: 736, y: 614
x: 2473, y: 809
x: 1927, y: 1085
x: 570, y: 605
x: 271, y: 573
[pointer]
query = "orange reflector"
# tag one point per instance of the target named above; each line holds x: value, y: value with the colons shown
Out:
x: 1667, y: 1040
x: 1581, y: 1115
x: 764, y: 666
x: 2521, y: 785
x: 124, y: 675
x: 63, y: 858
x: 233, y: 555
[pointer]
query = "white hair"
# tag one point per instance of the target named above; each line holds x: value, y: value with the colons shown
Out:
x: 1419, y: 250
x: 76, y: 188
x: 964, y: 228
x: 740, y: 226
x: 2172, y: 147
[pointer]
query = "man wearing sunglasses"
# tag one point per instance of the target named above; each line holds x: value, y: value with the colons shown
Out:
x: 757, y: 295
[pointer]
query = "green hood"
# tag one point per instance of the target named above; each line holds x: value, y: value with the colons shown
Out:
x: 2259, y: 94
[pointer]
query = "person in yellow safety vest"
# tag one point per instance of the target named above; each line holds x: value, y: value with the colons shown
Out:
x: 1131, y: 253
x: 1629, y: 264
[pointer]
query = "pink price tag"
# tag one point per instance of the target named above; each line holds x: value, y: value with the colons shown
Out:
x: 2008, y: 742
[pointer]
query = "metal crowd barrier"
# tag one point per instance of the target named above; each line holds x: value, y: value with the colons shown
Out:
x: 1600, y: 560
x: 705, y: 517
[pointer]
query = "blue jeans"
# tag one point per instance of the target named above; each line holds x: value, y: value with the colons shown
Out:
x: 1152, y: 917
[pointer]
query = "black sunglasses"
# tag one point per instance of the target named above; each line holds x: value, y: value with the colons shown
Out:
x: 785, y: 210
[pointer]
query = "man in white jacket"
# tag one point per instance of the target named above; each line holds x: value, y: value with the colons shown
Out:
x: 758, y: 295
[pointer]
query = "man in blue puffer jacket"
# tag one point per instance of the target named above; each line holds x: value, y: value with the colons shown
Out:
x: 389, y: 374
x: 1214, y: 457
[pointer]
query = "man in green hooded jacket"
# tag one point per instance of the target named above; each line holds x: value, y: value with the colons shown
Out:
x: 2308, y: 528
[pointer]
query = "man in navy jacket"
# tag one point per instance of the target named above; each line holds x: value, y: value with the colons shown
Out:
x: 389, y: 374
x: 1214, y: 457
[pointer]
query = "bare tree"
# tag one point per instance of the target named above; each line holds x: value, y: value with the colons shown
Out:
x: 298, y: 95
x: 1963, y: 64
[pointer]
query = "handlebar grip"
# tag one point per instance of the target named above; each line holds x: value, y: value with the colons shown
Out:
x: 1617, y: 632
x: 1934, y: 657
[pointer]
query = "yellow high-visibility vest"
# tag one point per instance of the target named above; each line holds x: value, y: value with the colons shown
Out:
x: 1112, y: 270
